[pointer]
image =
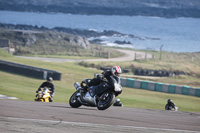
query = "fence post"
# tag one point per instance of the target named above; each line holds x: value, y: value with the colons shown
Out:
x: 135, y: 56
x: 45, y: 75
x: 145, y: 56
x: 153, y: 56
x: 100, y: 53
x: 108, y: 53
x: 192, y: 59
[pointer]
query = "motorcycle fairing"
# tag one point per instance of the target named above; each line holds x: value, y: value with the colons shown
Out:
x: 95, y: 90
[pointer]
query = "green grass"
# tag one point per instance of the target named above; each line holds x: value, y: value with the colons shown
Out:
x: 156, y: 100
x: 24, y: 87
x: 64, y: 57
x: 3, y: 53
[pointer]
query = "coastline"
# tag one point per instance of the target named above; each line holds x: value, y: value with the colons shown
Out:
x: 149, y: 33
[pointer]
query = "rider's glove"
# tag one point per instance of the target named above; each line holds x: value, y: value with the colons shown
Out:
x: 85, y: 87
x: 100, y: 76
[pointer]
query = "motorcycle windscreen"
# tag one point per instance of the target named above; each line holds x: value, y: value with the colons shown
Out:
x: 95, y: 90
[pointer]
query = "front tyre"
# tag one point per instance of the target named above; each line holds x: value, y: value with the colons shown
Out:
x: 106, y: 101
x: 73, y: 101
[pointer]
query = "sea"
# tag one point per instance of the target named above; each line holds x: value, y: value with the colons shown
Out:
x: 172, y: 34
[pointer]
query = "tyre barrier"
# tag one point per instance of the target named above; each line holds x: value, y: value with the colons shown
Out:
x: 160, y: 87
x: 29, y: 71
x: 160, y: 73
x: 109, y: 68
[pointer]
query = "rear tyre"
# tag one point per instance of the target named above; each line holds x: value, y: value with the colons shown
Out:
x: 107, y: 99
x: 73, y: 101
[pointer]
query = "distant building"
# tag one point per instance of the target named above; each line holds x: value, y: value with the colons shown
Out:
x: 6, y: 45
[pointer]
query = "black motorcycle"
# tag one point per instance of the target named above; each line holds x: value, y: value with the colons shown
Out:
x: 101, y: 96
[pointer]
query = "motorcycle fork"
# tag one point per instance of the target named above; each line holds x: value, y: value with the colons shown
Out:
x: 97, y: 98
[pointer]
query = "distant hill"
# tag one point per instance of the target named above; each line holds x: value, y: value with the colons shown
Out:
x: 159, y: 8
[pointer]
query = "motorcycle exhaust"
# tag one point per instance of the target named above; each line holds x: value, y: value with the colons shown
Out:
x: 77, y: 86
x: 85, y: 99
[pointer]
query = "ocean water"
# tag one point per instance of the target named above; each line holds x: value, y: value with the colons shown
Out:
x: 175, y: 34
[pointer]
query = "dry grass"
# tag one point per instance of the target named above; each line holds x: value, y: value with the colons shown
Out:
x: 186, y: 62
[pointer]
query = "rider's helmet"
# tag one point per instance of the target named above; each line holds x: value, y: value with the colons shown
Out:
x: 50, y: 79
x: 117, y: 100
x: 169, y: 100
x: 116, y: 71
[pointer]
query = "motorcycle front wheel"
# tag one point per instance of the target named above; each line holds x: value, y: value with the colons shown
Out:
x: 106, y: 100
x: 73, y: 101
x: 39, y: 100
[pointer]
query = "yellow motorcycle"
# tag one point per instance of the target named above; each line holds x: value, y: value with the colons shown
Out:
x: 43, y: 95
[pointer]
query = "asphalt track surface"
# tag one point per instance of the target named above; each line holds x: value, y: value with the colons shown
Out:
x: 36, y: 117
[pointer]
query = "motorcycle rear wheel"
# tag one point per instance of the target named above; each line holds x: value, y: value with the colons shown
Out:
x: 107, y: 99
x: 73, y: 101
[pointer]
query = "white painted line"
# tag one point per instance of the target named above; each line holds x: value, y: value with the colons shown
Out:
x: 99, y: 125
x: 6, y: 97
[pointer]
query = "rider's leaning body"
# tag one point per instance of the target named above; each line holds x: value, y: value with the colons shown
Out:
x: 104, y: 77
x: 49, y: 84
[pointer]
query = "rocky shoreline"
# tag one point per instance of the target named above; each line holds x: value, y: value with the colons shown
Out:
x: 80, y: 32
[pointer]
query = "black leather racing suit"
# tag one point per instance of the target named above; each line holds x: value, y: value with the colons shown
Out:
x: 97, y: 85
x: 170, y: 106
x: 105, y: 77
x: 118, y: 104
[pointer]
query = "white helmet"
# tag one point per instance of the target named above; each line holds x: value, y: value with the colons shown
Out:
x: 50, y: 79
x: 117, y: 100
x: 116, y: 71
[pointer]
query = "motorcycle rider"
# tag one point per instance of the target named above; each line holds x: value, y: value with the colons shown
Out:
x: 103, y: 78
x: 49, y: 84
x: 118, y: 103
x: 170, y: 105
